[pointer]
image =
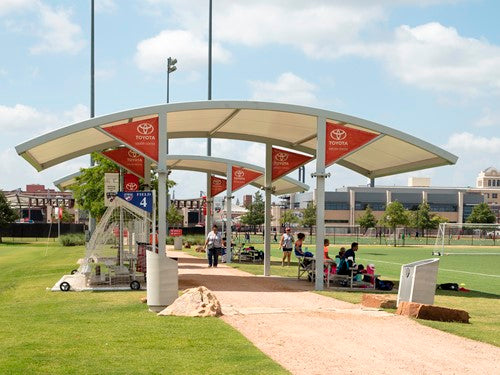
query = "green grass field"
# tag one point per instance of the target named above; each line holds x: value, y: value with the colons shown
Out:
x: 479, y: 273
x: 44, y: 332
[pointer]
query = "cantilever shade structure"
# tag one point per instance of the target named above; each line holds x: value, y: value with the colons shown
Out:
x: 209, y: 164
x: 295, y: 127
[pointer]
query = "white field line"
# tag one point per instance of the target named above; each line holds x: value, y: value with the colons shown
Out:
x: 440, y: 269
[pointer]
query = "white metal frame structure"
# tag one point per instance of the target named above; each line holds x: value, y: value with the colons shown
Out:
x: 295, y: 127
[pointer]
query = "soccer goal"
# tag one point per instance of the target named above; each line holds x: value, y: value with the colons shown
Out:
x: 458, y: 239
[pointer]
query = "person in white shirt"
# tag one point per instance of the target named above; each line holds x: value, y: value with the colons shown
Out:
x: 213, y: 246
x: 286, y: 243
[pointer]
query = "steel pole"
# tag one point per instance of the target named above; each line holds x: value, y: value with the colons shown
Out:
x: 320, y: 200
x: 267, y: 225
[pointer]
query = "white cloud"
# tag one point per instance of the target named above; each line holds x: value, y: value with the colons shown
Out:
x: 105, y: 6
x: 288, y: 88
x: 436, y: 57
x: 475, y: 153
x: 488, y: 118
x: 54, y: 28
x: 189, y: 49
x: 10, y: 6
x: 20, y: 118
x: 57, y: 32
x: 16, y: 172
x: 429, y: 56
x: 468, y: 142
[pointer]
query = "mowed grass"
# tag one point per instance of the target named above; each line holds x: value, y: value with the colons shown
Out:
x: 479, y: 273
x: 45, y: 332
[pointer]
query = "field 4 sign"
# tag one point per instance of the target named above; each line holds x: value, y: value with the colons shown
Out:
x: 141, y: 199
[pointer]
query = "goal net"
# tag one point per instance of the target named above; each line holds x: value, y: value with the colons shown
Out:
x: 463, y: 239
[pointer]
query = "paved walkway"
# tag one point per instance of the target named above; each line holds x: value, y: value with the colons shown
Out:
x: 311, y: 334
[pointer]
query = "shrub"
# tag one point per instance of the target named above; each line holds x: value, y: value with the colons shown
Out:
x: 72, y: 239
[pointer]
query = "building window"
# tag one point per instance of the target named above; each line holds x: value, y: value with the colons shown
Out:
x: 443, y: 207
x: 494, y: 195
x: 375, y: 206
x: 336, y: 206
x: 487, y: 195
x: 489, y: 182
x: 494, y: 183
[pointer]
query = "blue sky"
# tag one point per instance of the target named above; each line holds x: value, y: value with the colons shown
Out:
x: 430, y: 68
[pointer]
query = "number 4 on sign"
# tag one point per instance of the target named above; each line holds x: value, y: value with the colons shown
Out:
x: 144, y: 202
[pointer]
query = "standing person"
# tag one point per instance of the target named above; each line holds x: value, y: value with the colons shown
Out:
x: 286, y: 243
x: 275, y: 236
x: 213, y: 246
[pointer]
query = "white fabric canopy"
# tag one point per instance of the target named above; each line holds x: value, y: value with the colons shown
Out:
x: 283, y: 125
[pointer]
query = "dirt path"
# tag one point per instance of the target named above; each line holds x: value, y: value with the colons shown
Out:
x: 311, y: 334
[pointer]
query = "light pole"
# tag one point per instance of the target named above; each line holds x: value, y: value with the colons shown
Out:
x: 170, y: 69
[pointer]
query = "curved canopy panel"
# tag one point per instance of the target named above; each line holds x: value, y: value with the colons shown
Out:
x: 208, y: 164
x: 289, y: 126
x: 65, y: 182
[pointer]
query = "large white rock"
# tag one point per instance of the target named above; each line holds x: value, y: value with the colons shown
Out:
x: 198, y: 301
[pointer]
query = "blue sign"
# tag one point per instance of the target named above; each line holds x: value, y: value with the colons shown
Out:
x: 141, y: 199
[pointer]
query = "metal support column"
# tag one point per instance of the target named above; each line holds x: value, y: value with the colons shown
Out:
x: 267, y: 225
x: 320, y: 200
x: 208, y: 216
x: 162, y: 182
x: 229, y: 217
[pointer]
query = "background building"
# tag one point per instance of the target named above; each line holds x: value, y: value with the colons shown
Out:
x: 488, y: 184
x: 344, y: 206
x: 38, y: 204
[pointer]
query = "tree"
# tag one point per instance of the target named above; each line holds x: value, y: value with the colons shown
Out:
x: 89, y: 188
x: 309, y: 217
x: 67, y: 217
x: 423, y: 219
x: 367, y: 220
x: 174, y: 217
x: 7, y: 214
x: 288, y: 218
x: 482, y: 214
x: 395, y: 215
x: 255, y: 214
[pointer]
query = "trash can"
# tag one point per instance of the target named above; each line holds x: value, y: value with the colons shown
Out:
x: 177, y: 243
x: 417, y: 282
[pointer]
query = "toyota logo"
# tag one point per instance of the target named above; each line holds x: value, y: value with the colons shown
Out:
x: 239, y: 173
x: 217, y: 182
x: 133, y: 154
x: 281, y: 156
x: 145, y: 128
x: 338, y: 134
x: 131, y: 186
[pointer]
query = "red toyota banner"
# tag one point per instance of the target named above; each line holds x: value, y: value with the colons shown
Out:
x: 243, y: 176
x: 286, y: 161
x: 218, y: 185
x: 130, y: 182
x: 128, y: 159
x: 141, y: 135
x: 341, y: 140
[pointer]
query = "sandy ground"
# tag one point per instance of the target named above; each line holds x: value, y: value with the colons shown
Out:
x: 311, y: 334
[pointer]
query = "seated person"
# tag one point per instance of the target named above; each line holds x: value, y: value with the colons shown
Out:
x: 326, y: 243
x: 339, y: 256
x: 333, y: 265
x: 298, y: 247
x: 350, y: 256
